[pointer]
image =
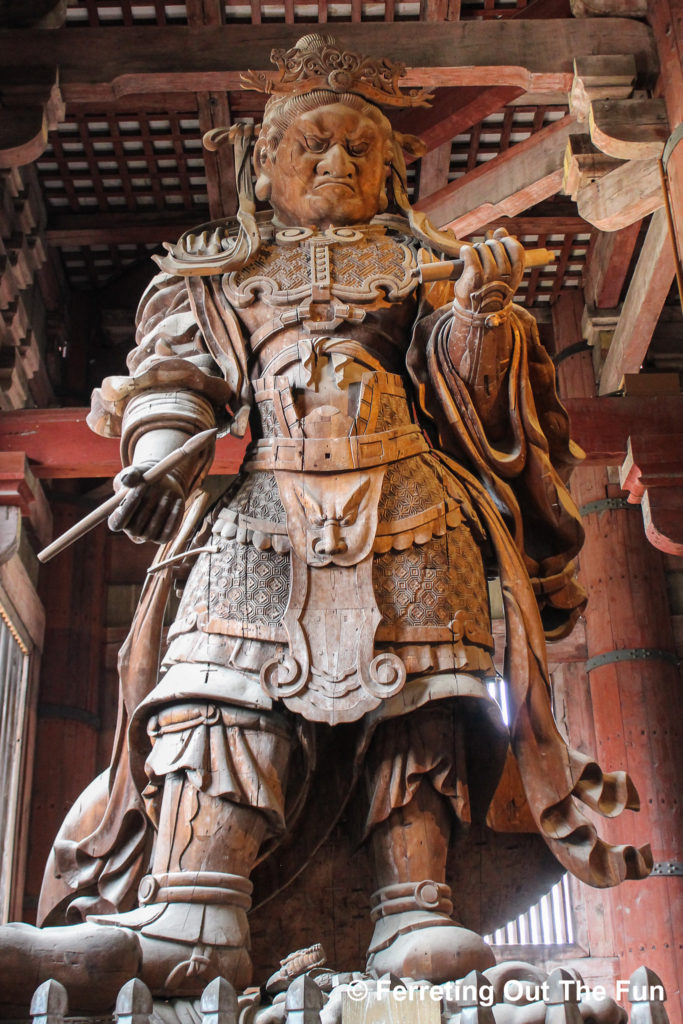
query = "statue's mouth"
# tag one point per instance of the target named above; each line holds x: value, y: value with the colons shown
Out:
x: 335, y: 182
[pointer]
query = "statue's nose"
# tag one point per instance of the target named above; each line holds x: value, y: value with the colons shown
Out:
x: 331, y: 541
x: 336, y: 163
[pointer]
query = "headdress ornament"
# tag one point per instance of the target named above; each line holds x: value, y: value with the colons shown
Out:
x: 318, y: 62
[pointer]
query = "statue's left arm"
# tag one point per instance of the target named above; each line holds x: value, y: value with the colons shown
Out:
x: 488, y: 386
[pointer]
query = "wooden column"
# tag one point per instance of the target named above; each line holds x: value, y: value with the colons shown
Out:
x: 634, y: 705
x: 73, y: 590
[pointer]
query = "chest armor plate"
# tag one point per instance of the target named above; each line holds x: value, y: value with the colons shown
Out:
x: 356, y: 266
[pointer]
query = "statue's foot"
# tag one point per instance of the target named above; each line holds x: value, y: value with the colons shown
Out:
x: 91, y: 962
x: 199, y: 931
x: 184, y: 946
x: 415, y: 937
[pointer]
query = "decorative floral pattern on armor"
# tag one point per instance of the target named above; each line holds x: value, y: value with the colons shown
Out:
x: 357, y: 266
x: 238, y: 584
x: 269, y: 425
x: 410, y: 487
x: 393, y: 413
x: 428, y: 584
x: 259, y: 498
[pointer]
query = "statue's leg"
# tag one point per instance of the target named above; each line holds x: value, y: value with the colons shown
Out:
x: 417, y: 786
x: 217, y: 777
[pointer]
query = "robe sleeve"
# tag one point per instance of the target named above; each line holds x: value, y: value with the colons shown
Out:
x: 486, y: 393
x: 172, y: 353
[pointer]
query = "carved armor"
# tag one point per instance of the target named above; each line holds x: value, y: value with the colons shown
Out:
x: 338, y: 478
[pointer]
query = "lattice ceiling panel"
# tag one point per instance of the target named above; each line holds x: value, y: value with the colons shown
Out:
x: 542, y: 285
x: 92, y: 266
x: 119, y: 161
x: 157, y: 12
x: 498, y: 132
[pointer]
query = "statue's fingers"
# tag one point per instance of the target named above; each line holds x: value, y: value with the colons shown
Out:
x: 172, y: 520
x: 141, y: 518
x: 515, y: 253
x: 159, y: 515
x: 500, y: 255
x: 488, y: 262
x: 130, y: 476
x: 122, y: 515
x: 472, y: 276
x: 500, y: 233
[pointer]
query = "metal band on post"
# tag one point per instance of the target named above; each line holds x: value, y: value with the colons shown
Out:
x: 667, y: 868
x: 613, y: 504
x: 632, y: 654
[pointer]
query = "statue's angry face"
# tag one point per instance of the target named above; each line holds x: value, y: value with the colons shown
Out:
x: 330, y: 167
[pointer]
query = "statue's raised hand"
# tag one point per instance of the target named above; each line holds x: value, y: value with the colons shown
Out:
x: 148, y: 511
x: 491, y: 274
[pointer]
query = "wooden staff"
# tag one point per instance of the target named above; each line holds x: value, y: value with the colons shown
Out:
x: 450, y: 270
x: 150, y: 476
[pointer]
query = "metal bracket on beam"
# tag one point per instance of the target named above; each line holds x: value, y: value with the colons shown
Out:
x: 603, y: 504
x: 632, y: 654
x: 667, y: 868
x: 570, y: 350
x: 671, y: 143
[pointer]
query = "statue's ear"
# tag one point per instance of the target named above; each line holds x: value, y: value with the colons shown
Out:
x: 411, y: 143
x: 262, y: 162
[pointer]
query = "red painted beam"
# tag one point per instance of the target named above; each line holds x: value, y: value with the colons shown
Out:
x: 58, y: 442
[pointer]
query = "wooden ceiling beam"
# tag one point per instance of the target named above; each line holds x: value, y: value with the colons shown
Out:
x: 642, y: 307
x: 59, y: 444
x: 111, y: 62
x: 118, y: 228
x: 513, y: 181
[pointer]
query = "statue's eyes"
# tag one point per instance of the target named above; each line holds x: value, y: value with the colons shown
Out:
x: 357, y: 148
x: 315, y: 145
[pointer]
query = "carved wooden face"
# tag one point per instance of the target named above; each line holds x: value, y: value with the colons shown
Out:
x: 329, y: 169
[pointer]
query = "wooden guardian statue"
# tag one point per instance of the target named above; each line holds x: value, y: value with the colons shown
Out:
x: 406, y: 441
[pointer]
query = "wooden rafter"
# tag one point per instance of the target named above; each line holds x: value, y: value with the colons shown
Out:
x: 508, y: 184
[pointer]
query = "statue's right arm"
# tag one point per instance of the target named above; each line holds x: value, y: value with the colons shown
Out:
x: 174, y: 390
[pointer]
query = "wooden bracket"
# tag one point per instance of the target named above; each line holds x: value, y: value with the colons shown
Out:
x: 598, y: 77
x: 625, y: 195
x: 27, y: 113
x: 629, y: 129
x: 652, y: 473
x: 584, y: 164
x: 19, y: 488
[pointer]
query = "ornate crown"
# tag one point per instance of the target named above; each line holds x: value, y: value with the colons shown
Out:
x: 319, y: 62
